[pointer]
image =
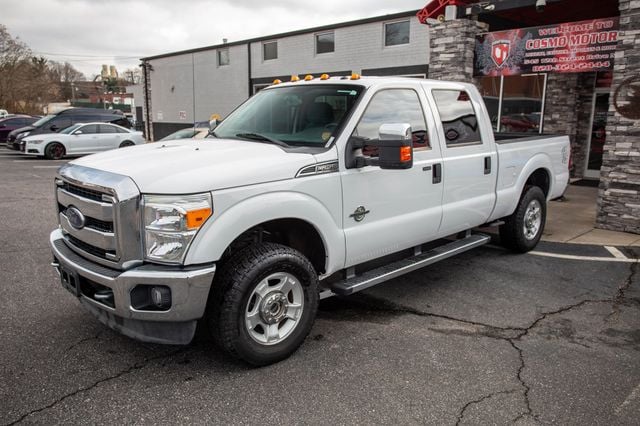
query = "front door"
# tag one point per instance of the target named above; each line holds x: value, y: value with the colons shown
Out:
x: 389, y: 210
x: 597, y: 134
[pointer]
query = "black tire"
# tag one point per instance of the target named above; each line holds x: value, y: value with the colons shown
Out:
x: 233, y: 293
x: 126, y: 144
x: 512, y: 234
x: 54, y: 151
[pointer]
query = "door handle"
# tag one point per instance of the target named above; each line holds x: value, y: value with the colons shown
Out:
x: 487, y: 165
x: 437, y: 173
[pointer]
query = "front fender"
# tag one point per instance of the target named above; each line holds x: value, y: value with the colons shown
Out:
x: 220, y: 230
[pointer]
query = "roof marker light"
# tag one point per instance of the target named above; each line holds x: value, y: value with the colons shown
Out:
x: 276, y: 81
x: 308, y: 77
x: 324, y: 77
x: 355, y: 76
x: 295, y: 78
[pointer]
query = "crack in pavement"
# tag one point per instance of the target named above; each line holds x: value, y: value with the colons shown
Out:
x: 130, y: 369
x: 479, y: 400
x: 621, y: 293
x: 498, y: 332
x: 86, y: 339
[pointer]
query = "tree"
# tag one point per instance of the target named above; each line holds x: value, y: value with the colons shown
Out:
x: 30, y: 82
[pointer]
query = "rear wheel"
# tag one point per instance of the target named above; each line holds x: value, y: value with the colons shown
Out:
x: 54, y: 151
x: 263, y: 303
x: 126, y: 144
x: 523, y: 229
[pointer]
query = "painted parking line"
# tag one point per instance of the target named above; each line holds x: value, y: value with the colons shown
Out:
x: 615, y: 252
x: 588, y: 258
x: 46, y: 167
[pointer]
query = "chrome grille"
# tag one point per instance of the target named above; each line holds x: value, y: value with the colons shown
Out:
x: 109, y: 205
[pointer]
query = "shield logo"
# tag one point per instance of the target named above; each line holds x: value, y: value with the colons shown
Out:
x: 500, y: 51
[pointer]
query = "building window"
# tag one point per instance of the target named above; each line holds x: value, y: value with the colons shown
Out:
x: 396, y: 33
x: 269, y: 50
x: 223, y: 57
x: 515, y: 103
x: 325, y: 42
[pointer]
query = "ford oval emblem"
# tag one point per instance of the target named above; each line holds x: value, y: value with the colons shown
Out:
x: 75, y: 217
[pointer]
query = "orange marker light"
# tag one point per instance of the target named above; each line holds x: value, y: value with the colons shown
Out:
x: 276, y: 81
x: 405, y: 154
x: 308, y: 77
x: 295, y: 78
x: 324, y: 77
x: 195, y: 218
x: 355, y: 76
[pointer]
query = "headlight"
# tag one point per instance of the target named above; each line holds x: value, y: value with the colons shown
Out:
x: 35, y: 142
x: 22, y: 135
x: 171, y: 222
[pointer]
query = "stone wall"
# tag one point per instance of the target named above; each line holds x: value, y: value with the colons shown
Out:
x: 452, y: 48
x: 619, y: 193
x: 560, y: 109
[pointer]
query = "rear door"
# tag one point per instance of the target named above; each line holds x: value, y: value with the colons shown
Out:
x: 109, y: 137
x: 385, y: 211
x: 469, y: 162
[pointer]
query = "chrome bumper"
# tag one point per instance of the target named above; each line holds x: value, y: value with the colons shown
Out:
x: 189, y: 293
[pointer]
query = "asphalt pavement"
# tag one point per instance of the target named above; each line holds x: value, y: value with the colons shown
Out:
x: 487, y: 337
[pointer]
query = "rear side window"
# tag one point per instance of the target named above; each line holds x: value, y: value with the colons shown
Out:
x: 459, y: 120
x: 120, y: 130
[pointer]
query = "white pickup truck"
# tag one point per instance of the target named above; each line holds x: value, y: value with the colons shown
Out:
x: 311, y: 188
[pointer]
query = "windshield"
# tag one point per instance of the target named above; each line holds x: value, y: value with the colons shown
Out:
x: 180, y: 134
x: 70, y: 129
x: 304, y: 115
x: 43, y: 120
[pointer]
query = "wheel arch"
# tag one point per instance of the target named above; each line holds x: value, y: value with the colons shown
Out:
x: 292, y: 219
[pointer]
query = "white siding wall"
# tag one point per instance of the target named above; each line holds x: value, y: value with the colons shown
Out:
x: 356, y: 48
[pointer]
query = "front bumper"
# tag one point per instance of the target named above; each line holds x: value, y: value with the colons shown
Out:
x: 34, y: 149
x: 189, y: 292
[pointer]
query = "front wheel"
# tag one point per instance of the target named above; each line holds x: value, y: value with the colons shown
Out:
x: 523, y: 229
x: 263, y: 303
x: 54, y: 151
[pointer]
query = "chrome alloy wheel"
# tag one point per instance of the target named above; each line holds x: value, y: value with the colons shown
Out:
x: 532, y: 220
x: 274, y: 308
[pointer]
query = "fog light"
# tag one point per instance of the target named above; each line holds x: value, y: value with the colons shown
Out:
x: 161, y: 296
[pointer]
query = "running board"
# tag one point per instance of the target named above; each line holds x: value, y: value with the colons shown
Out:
x: 384, y: 273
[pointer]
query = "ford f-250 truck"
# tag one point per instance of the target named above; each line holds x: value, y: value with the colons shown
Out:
x: 311, y: 188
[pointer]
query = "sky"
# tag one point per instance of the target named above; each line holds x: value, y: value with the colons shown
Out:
x: 89, y: 33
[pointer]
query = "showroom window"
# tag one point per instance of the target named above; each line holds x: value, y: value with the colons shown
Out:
x: 396, y: 33
x: 270, y: 50
x: 223, y: 57
x: 516, y: 102
x: 325, y: 42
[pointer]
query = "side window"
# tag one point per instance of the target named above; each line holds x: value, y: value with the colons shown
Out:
x: 105, y: 128
x: 459, y: 121
x: 119, y: 130
x: 89, y: 129
x: 393, y: 106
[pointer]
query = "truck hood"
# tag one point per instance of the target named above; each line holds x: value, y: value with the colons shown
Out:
x: 189, y: 166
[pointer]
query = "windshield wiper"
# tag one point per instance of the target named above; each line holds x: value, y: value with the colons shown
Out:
x: 261, y: 138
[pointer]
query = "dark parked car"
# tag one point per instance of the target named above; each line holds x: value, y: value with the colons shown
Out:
x: 12, y: 122
x: 53, y: 123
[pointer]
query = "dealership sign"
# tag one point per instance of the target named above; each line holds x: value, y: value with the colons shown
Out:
x: 570, y: 47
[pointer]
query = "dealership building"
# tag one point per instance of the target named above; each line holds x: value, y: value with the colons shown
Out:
x: 556, y: 66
